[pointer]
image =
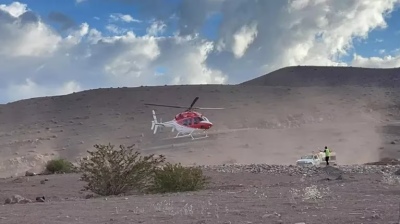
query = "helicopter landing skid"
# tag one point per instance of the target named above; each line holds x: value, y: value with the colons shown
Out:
x: 180, y: 135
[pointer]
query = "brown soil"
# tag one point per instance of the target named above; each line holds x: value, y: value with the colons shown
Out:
x: 273, y: 119
x: 231, y: 198
x: 260, y: 124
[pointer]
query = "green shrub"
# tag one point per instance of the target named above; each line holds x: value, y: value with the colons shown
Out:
x: 110, y: 171
x: 59, y: 166
x: 177, y: 178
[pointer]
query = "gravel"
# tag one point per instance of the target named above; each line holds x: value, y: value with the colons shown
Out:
x: 256, y: 193
x: 303, y: 170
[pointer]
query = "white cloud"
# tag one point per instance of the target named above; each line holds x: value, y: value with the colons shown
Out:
x: 29, y: 88
x: 243, y: 38
x: 376, y: 62
x: 15, y: 9
x: 255, y: 37
x: 303, y: 32
x: 123, y: 17
x: 115, y: 29
x: 24, y: 36
x: 156, y: 28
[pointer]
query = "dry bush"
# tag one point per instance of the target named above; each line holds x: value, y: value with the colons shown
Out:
x: 177, y: 178
x: 110, y: 171
x: 59, y: 166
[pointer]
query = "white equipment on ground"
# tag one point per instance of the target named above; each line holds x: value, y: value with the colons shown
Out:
x: 316, y: 159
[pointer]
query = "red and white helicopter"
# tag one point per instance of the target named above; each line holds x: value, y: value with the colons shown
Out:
x: 186, y: 123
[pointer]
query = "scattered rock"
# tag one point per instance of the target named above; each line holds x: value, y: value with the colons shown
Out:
x: 17, y: 199
x: 20, y: 179
x: 336, y: 172
x: 375, y: 216
x: 385, y: 161
x: 40, y: 199
x: 89, y: 196
x: 30, y: 174
x: 274, y: 214
x: 330, y: 170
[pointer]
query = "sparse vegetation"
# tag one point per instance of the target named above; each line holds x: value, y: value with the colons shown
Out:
x: 177, y: 178
x: 59, y: 166
x: 110, y: 171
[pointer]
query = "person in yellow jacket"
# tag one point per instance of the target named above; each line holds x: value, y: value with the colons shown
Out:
x: 327, y: 155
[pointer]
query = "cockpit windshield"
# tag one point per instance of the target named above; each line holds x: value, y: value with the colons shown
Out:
x: 203, y: 118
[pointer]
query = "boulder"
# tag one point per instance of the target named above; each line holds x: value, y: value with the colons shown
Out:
x: 17, y: 199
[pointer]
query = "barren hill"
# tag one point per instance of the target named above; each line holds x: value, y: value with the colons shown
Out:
x: 271, y: 119
x: 309, y: 76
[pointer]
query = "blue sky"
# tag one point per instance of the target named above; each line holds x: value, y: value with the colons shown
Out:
x: 387, y: 39
x: 97, y: 15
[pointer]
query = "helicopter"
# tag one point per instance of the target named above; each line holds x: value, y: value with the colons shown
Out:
x: 186, y: 122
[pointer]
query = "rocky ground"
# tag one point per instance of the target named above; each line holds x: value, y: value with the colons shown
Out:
x: 274, y: 119
x: 261, y: 124
x: 237, y: 194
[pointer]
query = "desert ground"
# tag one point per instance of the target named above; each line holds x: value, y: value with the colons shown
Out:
x: 273, y: 119
x: 236, y: 195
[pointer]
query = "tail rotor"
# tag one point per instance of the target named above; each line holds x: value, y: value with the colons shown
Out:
x: 154, y: 122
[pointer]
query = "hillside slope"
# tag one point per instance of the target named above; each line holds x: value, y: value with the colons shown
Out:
x: 261, y: 123
x: 307, y: 76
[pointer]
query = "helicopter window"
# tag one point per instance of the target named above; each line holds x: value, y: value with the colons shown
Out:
x: 187, y: 121
x: 204, y: 118
x: 197, y: 120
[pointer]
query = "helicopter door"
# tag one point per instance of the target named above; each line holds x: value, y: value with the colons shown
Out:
x: 196, y: 120
x: 187, y: 122
x: 190, y: 121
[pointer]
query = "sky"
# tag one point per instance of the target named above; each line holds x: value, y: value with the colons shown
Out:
x: 60, y: 47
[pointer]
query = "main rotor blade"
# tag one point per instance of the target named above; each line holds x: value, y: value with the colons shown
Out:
x: 194, y: 101
x: 161, y: 105
x: 208, y: 108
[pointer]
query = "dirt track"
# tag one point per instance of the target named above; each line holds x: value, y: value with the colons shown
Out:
x: 232, y: 198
